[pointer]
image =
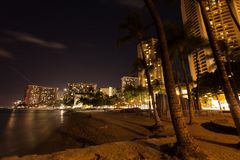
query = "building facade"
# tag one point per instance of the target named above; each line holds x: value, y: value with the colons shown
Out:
x: 82, y: 88
x: 129, y: 81
x: 109, y: 91
x: 148, y: 48
x: 39, y: 95
x: 77, y: 90
x: 222, y: 24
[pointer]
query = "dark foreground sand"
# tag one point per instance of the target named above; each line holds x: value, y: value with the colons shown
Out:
x: 129, y: 136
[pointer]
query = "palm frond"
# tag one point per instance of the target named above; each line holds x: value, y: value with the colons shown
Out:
x: 235, y: 54
x: 138, y: 65
x: 124, y: 39
x: 223, y: 46
x: 133, y: 25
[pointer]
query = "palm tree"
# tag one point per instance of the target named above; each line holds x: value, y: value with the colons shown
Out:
x: 158, y: 87
x: 198, y: 77
x: 183, y: 45
x: 210, y: 83
x: 228, y: 91
x: 137, y: 31
x: 178, y: 82
x: 230, y: 54
x: 142, y: 92
x: 185, y: 141
x: 131, y: 95
x: 229, y: 5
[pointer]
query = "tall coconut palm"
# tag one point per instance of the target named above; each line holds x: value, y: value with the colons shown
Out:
x: 185, y: 141
x: 183, y: 45
x: 137, y: 31
x: 228, y: 91
x: 229, y: 52
x: 178, y: 82
x: 197, y: 81
x: 139, y: 67
x: 210, y: 83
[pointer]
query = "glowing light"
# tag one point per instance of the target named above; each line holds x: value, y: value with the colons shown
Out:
x: 184, y: 91
x: 178, y: 93
x: 61, y: 116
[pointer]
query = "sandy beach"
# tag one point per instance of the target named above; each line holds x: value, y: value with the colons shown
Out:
x: 117, y: 135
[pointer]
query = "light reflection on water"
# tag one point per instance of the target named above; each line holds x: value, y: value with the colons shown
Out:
x: 61, y: 114
x: 10, y: 122
x: 22, y: 130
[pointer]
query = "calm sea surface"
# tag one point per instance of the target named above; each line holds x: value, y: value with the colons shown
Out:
x: 23, y: 130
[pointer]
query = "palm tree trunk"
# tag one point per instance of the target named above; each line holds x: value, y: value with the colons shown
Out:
x: 150, y: 108
x: 158, y: 104
x: 178, y: 86
x: 182, y: 102
x: 158, y: 121
x: 229, y: 4
x: 231, y: 78
x: 228, y: 91
x: 190, y: 106
x: 198, y: 77
x: 219, y: 103
x: 184, y: 139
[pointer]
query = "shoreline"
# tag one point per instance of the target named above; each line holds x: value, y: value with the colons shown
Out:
x: 84, y: 135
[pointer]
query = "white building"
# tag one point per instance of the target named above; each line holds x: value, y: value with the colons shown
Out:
x: 129, y: 81
x: 110, y: 91
x: 148, y: 48
x: 222, y: 25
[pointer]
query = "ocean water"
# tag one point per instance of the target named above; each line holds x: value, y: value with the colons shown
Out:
x: 23, y: 130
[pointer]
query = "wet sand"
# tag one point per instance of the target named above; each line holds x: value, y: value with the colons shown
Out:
x: 108, y: 135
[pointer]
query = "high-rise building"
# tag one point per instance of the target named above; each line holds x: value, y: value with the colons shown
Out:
x: 236, y: 11
x: 82, y: 88
x: 148, y: 47
x: 39, y: 95
x: 129, y: 81
x: 222, y: 24
x: 110, y: 91
x: 79, y: 89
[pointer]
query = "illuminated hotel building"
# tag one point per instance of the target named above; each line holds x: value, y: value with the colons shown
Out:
x: 82, y: 88
x: 222, y: 25
x: 129, y: 81
x: 39, y: 95
x: 79, y: 89
x: 156, y: 73
x: 109, y: 91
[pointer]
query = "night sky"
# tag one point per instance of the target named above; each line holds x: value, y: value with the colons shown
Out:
x: 52, y: 42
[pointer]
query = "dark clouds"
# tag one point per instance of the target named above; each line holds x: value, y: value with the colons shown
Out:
x: 83, y: 32
x: 6, y: 54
